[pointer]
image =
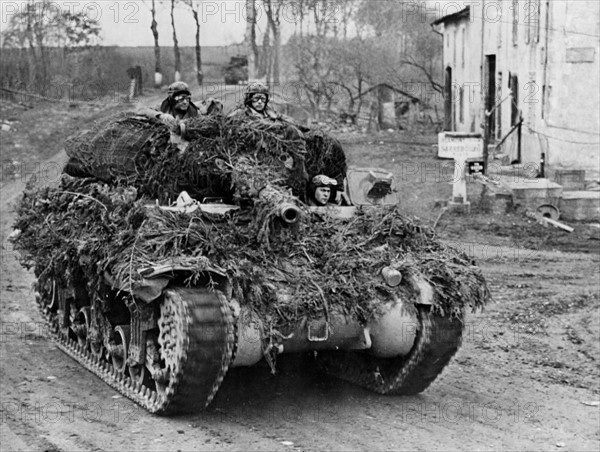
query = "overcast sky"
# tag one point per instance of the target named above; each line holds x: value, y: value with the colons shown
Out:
x: 128, y: 23
x: 222, y: 22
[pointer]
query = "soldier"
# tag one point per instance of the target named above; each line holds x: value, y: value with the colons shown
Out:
x: 178, y: 106
x: 256, y: 100
x: 319, y: 190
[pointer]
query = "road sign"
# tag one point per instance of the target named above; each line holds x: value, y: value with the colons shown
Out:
x: 460, y: 146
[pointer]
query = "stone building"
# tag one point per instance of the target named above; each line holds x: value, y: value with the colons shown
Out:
x: 532, y: 62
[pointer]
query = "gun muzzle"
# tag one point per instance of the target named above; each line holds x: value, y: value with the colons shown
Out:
x: 289, y: 213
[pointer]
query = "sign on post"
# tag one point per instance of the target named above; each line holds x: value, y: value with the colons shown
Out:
x: 461, y: 147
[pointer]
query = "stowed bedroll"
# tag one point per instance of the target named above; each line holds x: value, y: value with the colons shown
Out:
x: 160, y: 266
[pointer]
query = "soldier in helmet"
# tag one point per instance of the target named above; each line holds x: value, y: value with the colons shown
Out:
x: 320, y: 190
x: 178, y: 102
x: 178, y: 106
x: 256, y: 100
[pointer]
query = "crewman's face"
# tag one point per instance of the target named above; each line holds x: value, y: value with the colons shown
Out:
x: 182, y: 102
x: 259, y: 102
x: 322, y: 195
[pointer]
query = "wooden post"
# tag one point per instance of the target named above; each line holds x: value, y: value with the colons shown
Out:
x: 139, y: 80
x: 486, y: 140
x: 519, y: 140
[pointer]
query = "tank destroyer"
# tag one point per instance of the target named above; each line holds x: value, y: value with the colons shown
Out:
x: 161, y: 266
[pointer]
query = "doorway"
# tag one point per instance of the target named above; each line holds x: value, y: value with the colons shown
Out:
x: 490, y: 96
x: 448, y: 116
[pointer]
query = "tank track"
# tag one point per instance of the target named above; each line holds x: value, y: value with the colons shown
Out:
x: 204, y: 348
x: 436, y: 342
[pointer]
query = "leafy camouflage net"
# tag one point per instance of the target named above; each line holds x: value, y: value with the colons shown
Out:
x: 116, y: 148
x: 285, y: 274
x: 108, y: 227
x: 229, y: 158
x: 325, y: 155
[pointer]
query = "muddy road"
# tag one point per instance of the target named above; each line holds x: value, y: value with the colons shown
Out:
x: 526, y: 378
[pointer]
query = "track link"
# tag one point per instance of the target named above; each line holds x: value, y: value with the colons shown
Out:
x: 437, y: 340
x: 205, y: 344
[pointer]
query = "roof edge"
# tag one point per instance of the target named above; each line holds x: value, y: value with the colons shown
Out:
x: 465, y: 12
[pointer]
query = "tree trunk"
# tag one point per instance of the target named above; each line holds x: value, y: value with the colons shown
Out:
x: 301, y: 14
x: 199, y: 73
x: 265, y: 56
x: 175, y: 45
x: 31, y: 66
x: 157, y: 66
x: 251, y: 38
x: 276, y: 49
x: 43, y: 73
x: 274, y: 25
x: 387, y: 112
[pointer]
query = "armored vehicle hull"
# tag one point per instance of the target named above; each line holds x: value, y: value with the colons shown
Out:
x: 159, y: 299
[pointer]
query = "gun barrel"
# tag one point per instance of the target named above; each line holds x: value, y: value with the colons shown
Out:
x: 289, y: 213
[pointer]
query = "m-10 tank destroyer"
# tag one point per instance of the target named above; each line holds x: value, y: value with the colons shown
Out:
x: 160, y: 267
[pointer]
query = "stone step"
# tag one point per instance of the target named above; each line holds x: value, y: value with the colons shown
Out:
x: 580, y: 205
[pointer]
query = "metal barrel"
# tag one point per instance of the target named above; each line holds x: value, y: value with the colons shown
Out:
x: 289, y: 213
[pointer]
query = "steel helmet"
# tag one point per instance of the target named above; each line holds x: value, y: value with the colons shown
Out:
x: 178, y: 88
x: 256, y: 88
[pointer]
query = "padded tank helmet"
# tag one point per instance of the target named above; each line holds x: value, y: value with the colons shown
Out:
x: 255, y: 88
x: 178, y: 88
x: 320, y: 180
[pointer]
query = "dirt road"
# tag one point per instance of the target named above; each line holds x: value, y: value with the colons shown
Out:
x: 526, y: 378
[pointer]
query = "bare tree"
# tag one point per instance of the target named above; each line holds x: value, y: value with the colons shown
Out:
x: 264, y: 65
x: 347, y: 10
x: 175, y: 44
x: 313, y: 69
x: 157, y: 64
x: 253, y: 54
x: 273, y: 9
x: 368, y: 53
x: 30, y: 14
x: 38, y: 27
x: 313, y: 57
x: 193, y: 5
x: 406, y: 48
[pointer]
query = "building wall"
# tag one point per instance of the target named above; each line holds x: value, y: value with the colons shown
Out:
x: 572, y: 103
x: 460, y: 57
x: 552, y: 47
